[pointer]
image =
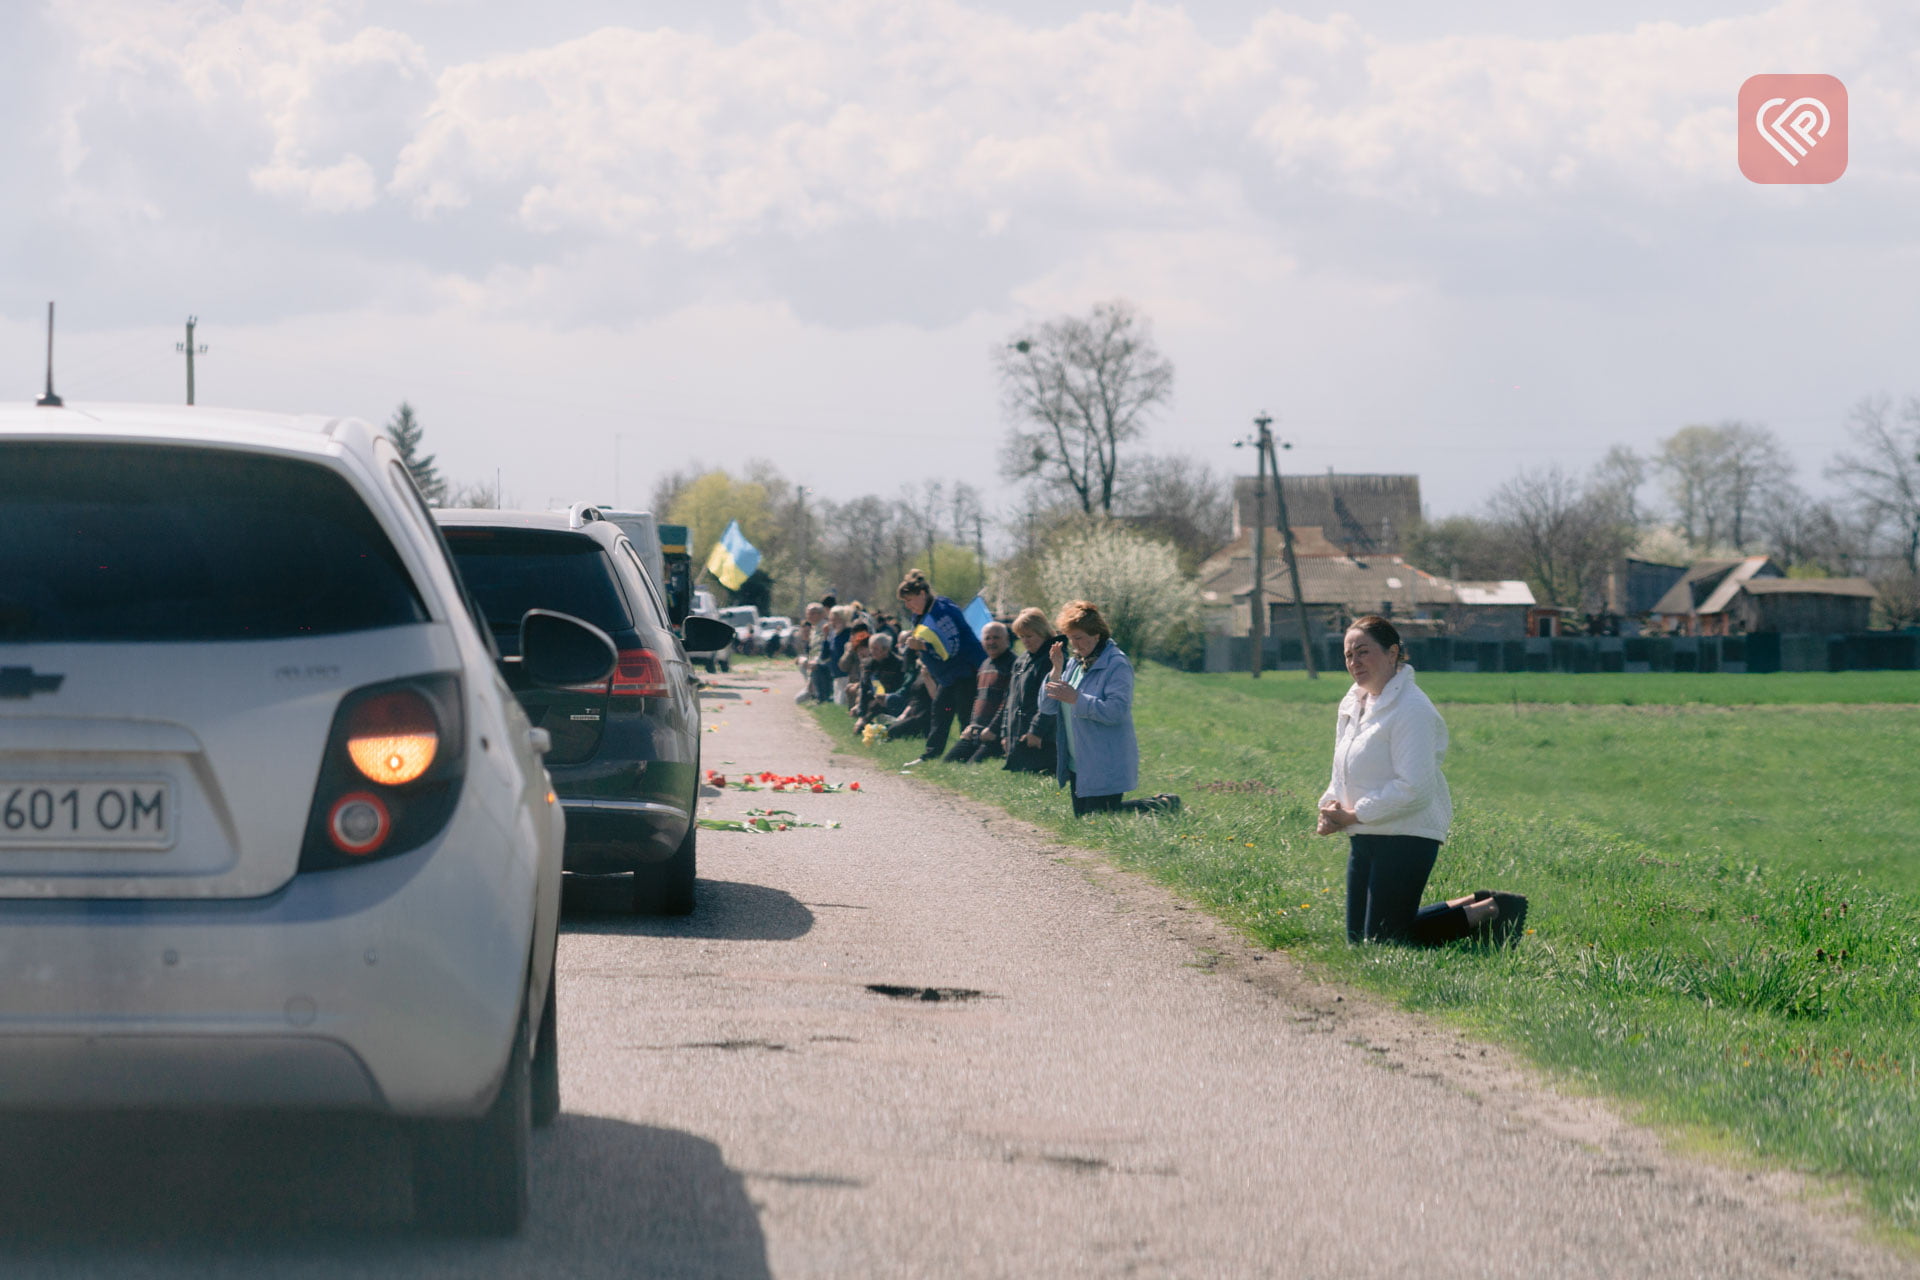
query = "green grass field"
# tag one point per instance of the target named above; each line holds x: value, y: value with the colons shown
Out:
x: 1724, y: 875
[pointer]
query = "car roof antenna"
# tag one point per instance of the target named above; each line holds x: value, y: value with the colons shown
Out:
x: 49, y: 400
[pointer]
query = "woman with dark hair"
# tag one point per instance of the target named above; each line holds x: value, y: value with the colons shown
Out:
x: 1388, y: 794
x: 1098, y: 755
x: 949, y: 652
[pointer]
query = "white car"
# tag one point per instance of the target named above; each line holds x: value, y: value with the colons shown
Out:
x: 274, y: 833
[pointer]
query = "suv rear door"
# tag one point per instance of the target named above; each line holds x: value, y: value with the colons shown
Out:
x: 509, y: 571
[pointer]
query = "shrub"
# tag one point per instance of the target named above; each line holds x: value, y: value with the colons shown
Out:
x: 1136, y: 581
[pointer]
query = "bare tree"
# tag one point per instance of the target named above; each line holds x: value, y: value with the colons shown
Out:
x: 480, y: 496
x: 1182, y: 501
x: 1753, y: 471
x: 1564, y: 536
x: 1717, y: 477
x: 1080, y: 388
x: 669, y: 485
x: 1882, y: 474
x: 1803, y: 534
x: 1617, y: 480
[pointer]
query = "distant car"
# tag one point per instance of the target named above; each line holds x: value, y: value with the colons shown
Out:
x: 625, y: 757
x: 744, y: 619
x: 704, y: 607
x: 775, y: 631
x: 272, y: 832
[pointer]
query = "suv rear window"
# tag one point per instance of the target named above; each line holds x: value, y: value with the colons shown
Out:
x: 509, y: 571
x: 117, y: 543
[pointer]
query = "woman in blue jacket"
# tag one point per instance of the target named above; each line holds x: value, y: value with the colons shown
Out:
x: 1093, y: 696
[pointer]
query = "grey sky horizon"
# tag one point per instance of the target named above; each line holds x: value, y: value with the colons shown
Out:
x: 1451, y: 240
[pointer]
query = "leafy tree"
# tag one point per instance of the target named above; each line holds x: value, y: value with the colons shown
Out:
x: 405, y: 431
x: 1135, y: 580
x: 708, y: 503
x: 1079, y: 389
x: 1717, y: 477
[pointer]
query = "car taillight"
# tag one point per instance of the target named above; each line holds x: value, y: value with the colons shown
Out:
x: 392, y: 738
x: 391, y: 772
x: 638, y: 673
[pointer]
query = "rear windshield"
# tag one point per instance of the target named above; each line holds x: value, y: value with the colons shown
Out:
x: 117, y: 543
x: 509, y: 571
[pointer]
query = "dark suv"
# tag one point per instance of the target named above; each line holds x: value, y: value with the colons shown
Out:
x: 625, y: 758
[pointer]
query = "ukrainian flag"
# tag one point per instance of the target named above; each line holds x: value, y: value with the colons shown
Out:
x: 734, y: 558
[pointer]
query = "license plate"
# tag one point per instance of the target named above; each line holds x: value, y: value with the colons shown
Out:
x: 42, y: 813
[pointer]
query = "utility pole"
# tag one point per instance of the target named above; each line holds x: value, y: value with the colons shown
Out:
x: 800, y: 495
x: 1257, y: 598
x: 190, y: 350
x: 1272, y: 459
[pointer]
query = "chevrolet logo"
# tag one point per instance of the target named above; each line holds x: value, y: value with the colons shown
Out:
x: 21, y: 682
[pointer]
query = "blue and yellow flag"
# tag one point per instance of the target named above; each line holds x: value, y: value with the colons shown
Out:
x: 734, y: 558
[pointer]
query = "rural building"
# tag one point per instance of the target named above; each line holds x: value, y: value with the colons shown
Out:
x: 1339, y: 587
x: 1361, y: 515
x: 1737, y: 597
x: 1635, y: 586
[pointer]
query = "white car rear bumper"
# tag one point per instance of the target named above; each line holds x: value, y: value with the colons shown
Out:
x: 394, y: 986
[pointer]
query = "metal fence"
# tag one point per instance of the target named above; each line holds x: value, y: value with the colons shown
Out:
x: 1760, y: 652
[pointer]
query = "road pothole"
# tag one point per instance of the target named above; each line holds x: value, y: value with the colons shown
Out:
x: 931, y: 995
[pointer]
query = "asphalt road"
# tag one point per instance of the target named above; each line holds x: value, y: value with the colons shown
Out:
x: 1111, y: 1085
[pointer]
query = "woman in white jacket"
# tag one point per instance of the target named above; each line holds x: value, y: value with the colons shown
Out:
x: 1387, y: 792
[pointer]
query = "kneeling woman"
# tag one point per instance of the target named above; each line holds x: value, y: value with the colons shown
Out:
x: 1387, y: 792
x: 1093, y: 696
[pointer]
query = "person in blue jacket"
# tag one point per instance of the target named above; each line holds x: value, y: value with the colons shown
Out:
x: 949, y: 652
x: 1098, y: 755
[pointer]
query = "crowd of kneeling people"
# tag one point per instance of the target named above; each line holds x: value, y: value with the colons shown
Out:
x: 1043, y: 695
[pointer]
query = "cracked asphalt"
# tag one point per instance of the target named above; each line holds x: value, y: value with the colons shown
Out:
x: 1102, y: 1083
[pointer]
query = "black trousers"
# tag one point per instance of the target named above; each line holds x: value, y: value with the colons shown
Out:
x: 1084, y: 805
x: 1385, y: 877
x: 973, y: 751
x: 953, y: 699
x: 1022, y: 758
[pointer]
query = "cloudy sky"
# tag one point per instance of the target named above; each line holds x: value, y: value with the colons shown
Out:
x: 593, y: 240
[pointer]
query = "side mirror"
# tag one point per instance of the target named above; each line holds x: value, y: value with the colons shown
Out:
x: 557, y: 649
x: 706, y: 635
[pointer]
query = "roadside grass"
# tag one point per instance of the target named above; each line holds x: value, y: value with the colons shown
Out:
x: 1659, y: 689
x: 1725, y: 921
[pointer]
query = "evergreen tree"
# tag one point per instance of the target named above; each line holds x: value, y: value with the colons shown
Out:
x: 405, y: 432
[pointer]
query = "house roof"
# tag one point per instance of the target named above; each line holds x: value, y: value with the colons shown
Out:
x: 1329, y: 576
x: 1812, y: 587
x: 1362, y: 513
x: 1710, y: 585
x: 1483, y: 593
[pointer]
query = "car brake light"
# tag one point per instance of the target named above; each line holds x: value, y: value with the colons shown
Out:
x: 393, y: 738
x: 391, y: 774
x: 359, y: 823
x: 639, y: 674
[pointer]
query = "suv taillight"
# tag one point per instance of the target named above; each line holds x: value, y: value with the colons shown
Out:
x: 391, y: 774
x: 639, y: 674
